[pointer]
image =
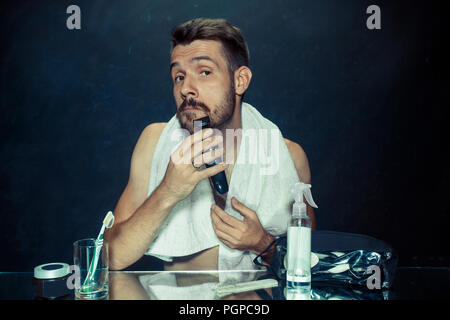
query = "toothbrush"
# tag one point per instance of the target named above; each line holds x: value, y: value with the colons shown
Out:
x: 107, y: 223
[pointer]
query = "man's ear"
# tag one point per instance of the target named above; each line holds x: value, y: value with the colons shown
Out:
x: 242, y: 78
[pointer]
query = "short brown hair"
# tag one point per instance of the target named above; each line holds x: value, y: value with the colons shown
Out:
x: 235, y: 49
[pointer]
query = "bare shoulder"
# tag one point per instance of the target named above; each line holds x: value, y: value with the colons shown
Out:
x: 300, y: 160
x: 136, y: 190
x: 153, y: 131
x: 149, y: 137
x: 145, y: 146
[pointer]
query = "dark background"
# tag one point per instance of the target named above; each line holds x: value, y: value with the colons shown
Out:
x: 367, y: 106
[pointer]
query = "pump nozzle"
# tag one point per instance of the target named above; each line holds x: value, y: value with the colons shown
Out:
x: 299, y: 189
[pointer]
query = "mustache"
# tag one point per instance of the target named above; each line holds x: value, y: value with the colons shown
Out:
x: 191, y: 102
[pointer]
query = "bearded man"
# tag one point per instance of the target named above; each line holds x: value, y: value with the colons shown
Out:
x: 170, y: 216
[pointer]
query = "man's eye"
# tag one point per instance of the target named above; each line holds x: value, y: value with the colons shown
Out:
x: 205, y: 72
x: 178, y: 78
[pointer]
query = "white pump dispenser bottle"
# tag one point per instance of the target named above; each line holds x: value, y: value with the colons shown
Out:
x: 298, y: 276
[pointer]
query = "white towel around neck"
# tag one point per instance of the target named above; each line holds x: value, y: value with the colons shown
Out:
x: 261, y: 180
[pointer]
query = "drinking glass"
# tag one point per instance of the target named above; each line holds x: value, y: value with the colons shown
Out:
x: 92, y: 261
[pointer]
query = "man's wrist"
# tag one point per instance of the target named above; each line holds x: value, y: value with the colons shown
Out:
x: 266, y: 240
x: 165, y: 196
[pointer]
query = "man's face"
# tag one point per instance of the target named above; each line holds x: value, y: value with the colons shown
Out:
x: 202, y: 85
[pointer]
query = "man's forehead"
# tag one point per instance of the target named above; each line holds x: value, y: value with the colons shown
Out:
x: 197, y: 48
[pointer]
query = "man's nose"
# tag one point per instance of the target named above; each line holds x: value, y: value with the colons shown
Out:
x: 189, y: 88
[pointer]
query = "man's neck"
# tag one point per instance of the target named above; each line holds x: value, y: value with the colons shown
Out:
x: 232, y: 125
x: 233, y: 140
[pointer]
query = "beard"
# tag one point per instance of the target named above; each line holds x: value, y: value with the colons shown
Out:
x: 218, y: 117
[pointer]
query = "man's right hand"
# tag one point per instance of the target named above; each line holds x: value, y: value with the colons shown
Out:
x: 181, y: 177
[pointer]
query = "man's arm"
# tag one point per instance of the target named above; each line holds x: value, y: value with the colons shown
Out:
x: 134, y: 229
x: 138, y: 218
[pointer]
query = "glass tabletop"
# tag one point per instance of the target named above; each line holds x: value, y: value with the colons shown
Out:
x: 410, y: 283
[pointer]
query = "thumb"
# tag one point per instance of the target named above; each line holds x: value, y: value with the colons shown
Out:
x: 243, y: 210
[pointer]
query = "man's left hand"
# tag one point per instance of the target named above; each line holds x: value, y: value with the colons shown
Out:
x: 244, y: 235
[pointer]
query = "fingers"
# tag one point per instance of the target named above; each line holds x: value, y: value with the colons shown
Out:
x: 198, y: 144
x: 225, y: 238
x: 208, y: 157
x: 243, y: 210
x: 246, y: 234
x: 223, y: 230
x: 226, y: 218
x: 226, y: 227
x: 212, y: 142
x: 186, y: 146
